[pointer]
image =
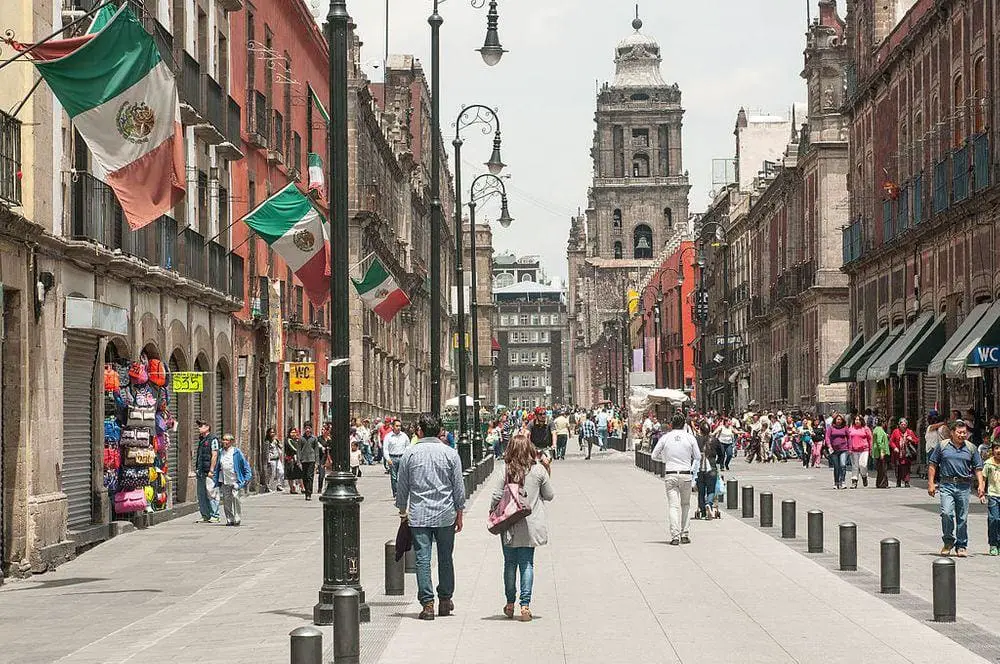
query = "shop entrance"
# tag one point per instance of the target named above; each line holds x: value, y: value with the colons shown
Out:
x: 78, y: 422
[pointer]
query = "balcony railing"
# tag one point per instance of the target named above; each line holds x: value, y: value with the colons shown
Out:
x: 258, y: 117
x: 10, y: 160
x: 918, y: 199
x: 215, y: 108
x: 960, y: 174
x: 941, y: 194
x: 190, y: 83
x: 218, y: 267
x: 981, y: 161
x: 237, y: 277
x: 192, y: 265
x: 233, y: 123
x: 853, y: 238
x: 95, y: 213
x: 156, y: 243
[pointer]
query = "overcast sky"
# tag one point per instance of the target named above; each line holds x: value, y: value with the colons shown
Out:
x: 723, y: 53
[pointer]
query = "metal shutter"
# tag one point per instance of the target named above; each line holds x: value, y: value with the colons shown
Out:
x: 173, y: 452
x: 78, y: 414
x: 220, y: 387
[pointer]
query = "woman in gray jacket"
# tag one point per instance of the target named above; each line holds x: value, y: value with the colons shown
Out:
x: 522, y: 466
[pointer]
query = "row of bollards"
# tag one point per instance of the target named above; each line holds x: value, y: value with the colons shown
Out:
x: 943, y: 569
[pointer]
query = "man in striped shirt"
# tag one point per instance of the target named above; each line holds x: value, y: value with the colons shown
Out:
x: 588, y: 432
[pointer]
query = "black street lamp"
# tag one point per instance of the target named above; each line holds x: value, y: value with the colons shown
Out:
x: 725, y: 305
x: 491, y: 52
x: 340, y: 498
x: 475, y: 114
x: 478, y: 194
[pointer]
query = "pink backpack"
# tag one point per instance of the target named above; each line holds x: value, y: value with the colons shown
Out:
x: 512, y: 508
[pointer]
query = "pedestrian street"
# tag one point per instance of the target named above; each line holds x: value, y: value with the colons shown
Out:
x: 607, y: 587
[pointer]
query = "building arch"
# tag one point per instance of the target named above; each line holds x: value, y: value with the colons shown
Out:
x: 640, y: 165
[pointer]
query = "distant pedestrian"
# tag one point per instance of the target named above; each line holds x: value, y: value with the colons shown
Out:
x: 560, y: 434
x: 395, y: 444
x: 356, y: 459
x: 206, y: 462
x: 678, y: 450
x: 325, y: 441
x: 601, y: 419
x: 588, y: 432
x: 293, y: 469
x: 275, y: 465
x: 882, y: 454
x: 540, y: 433
x: 309, y: 454
x: 431, y: 496
x: 991, y: 474
x: 839, y: 446
x: 708, y: 471
x: 725, y: 447
x: 860, y: 438
x: 232, y: 475
x: 904, y: 444
x: 519, y: 542
x: 952, y: 467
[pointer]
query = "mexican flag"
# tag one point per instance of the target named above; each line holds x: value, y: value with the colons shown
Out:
x: 297, y: 232
x: 316, y: 180
x: 121, y: 96
x: 380, y: 292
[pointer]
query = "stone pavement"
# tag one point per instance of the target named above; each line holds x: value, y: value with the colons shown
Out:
x: 607, y: 588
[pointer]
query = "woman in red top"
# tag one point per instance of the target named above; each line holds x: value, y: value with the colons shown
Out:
x: 904, y: 445
x: 860, y: 438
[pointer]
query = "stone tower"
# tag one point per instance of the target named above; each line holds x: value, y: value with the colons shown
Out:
x: 639, y: 197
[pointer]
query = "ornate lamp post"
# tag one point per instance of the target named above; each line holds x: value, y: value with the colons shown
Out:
x: 341, y: 500
x: 491, y: 184
x: 491, y: 52
x: 476, y: 114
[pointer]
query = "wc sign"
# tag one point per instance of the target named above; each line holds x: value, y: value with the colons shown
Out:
x: 985, y: 356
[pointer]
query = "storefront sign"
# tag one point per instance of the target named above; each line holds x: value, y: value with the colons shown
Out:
x: 985, y: 356
x: 188, y: 381
x: 301, y: 377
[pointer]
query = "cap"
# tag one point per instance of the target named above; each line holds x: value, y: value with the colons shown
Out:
x: 202, y: 423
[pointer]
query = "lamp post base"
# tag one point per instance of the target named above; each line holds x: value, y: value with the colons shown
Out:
x: 341, y: 545
x: 465, y: 450
x: 323, y: 611
x: 477, y: 447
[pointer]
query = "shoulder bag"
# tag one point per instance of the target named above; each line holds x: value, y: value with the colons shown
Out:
x: 512, y: 508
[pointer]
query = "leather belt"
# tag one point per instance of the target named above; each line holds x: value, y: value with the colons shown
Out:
x: 676, y: 472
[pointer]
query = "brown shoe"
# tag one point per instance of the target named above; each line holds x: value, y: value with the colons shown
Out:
x: 961, y: 553
x: 428, y: 612
x: 447, y: 606
x: 525, y: 614
x: 508, y: 610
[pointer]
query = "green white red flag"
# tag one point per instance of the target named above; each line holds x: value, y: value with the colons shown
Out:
x: 122, y: 98
x: 380, y: 292
x: 316, y: 179
x: 290, y: 224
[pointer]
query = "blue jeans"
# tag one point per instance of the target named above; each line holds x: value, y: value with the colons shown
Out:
x: 602, y: 436
x: 518, y: 559
x: 729, y: 450
x: 422, y: 540
x: 706, y: 490
x: 366, y: 452
x: 394, y: 471
x: 954, y: 514
x: 993, y: 519
x: 208, y: 506
x: 839, y: 461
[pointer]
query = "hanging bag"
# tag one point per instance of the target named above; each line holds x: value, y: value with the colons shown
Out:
x: 512, y: 508
x: 127, y: 502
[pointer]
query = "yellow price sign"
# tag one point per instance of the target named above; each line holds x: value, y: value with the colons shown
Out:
x: 301, y: 377
x: 188, y: 381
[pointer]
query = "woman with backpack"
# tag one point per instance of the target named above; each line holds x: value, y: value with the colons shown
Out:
x: 525, y: 468
x: 904, y: 445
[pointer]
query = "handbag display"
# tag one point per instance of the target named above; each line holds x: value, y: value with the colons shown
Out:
x: 127, y: 502
x: 140, y: 456
x: 136, y: 438
x: 512, y: 508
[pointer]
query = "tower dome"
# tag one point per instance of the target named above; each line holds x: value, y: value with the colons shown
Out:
x: 637, y: 60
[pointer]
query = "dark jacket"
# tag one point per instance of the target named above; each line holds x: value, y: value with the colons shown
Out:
x: 203, y: 458
x: 541, y: 434
x: 308, y: 449
x: 709, y: 446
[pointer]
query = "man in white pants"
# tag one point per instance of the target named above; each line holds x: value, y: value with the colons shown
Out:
x: 678, y: 450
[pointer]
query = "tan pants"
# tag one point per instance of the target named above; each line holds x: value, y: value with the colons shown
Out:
x: 678, y: 503
x: 231, y: 503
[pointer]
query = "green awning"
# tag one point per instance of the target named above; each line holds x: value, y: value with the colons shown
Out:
x: 984, y: 335
x: 936, y: 366
x: 893, y: 335
x: 881, y: 369
x: 850, y: 368
x: 852, y: 348
x: 915, y: 360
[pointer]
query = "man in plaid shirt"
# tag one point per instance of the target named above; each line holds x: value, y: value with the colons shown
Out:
x: 588, y: 432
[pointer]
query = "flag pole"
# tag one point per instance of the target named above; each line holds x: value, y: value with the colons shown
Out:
x: 9, y: 35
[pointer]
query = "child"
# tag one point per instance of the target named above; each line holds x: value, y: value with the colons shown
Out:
x: 355, y: 459
x: 991, y: 473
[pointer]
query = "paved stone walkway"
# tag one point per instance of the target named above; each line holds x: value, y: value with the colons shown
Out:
x: 607, y: 589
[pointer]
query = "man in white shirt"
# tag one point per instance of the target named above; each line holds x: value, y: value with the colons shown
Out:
x: 394, y: 444
x: 678, y: 450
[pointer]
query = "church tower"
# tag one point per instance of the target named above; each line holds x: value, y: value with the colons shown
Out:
x: 639, y: 197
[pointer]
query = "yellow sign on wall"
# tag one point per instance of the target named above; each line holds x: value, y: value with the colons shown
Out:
x: 188, y: 381
x: 301, y: 376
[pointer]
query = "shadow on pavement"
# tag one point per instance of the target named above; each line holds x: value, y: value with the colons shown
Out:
x: 56, y: 583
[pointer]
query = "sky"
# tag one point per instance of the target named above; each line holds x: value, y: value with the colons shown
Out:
x: 723, y: 54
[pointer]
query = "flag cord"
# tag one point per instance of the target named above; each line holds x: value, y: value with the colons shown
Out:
x: 354, y: 265
x: 22, y: 54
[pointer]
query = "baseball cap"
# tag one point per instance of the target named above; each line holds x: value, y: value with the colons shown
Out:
x: 202, y: 423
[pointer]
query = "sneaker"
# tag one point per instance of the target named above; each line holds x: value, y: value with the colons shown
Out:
x: 675, y: 542
x: 446, y: 608
x: 428, y: 612
x: 864, y: 480
x: 961, y: 553
x: 508, y: 610
x: 685, y: 539
x: 525, y: 614
x: 216, y: 519
x: 854, y: 483
x: 945, y: 550
x: 994, y: 551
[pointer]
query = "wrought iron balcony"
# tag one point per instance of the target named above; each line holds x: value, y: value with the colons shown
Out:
x: 232, y: 148
x: 193, y: 263
x: 218, y: 267
x: 237, y: 277
x: 258, y: 125
x: 10, y: 160
x: 212, y: 131
x: 189, y: 88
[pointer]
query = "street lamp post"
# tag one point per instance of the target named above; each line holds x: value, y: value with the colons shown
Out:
x: 724, y: 245
x: 340, y: 498
x: 467, y: 117
x: 505, y: 221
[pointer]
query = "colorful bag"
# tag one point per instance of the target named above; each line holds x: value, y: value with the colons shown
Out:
x: 161, y: 443
x: 139, y: 456
x: 111, y: 480
x: 157, y: 373
x: 131, y: 478
x: 139, y: 416
x: 112, y: 432
x: 136, y: 437
x: 112, y: 458
x: 112, y: 381
x: 137, y: 374
x: 512, y: 508
x: 143, y: 396
x: 133, y: 500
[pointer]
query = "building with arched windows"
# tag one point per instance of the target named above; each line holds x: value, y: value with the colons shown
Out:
x: 637, y: 208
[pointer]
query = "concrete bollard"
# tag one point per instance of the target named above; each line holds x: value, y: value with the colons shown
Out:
x: 943, y: 579
x: 747, y: 499
x: 889, y: 564
x: 732, y: 497
x: 410, y: 562
x: 395, y: 571
x: 788, y: 519
x: 766, y: 509
x: 346, y: 626
x: 306, y: 645
x: 814, y: 525
x: 848, y: 547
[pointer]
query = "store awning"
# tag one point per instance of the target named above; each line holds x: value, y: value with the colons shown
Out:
x: 881, y: 369
x: 915, y: 360
x: 849, y: 369
x: 852, y: 348
x: 980, y: 348
x: 936, y: 365
x: 889, y: 340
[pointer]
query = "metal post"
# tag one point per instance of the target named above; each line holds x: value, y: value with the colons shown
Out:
x: 680, y: 318
x: 732, y: 497
x: 463, y: 431
x: 340, y: 498
x: 477, y: 434
x: 727, y: 400
x: 943, y: 579
x: 814, y: 525
x: 410, y: 562
x: 748, y: 502
x: 788, y: 519
x: 889, y: 558
x: 395, y: 577
x: 766, y: 509
x: 306, y: 645
x: 848, y: 547
x: 346, y: 627
x: 435, y: 22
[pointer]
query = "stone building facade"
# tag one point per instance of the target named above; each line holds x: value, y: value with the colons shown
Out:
x: 637, y: 204
x: 485, y: 311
